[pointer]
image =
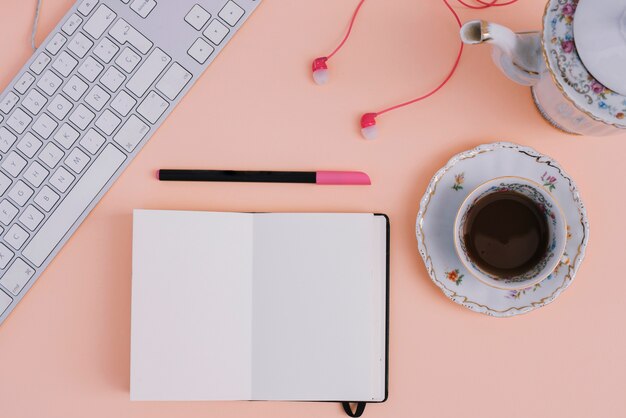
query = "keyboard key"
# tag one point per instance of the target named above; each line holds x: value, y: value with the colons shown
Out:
x: 60, y: 107
x: 30, y: 218
x: 76, y: 160
x: 73, y: 206
x: 75, y: 88
x: 5, y: 182
x: 90, y: 69
x: 44, y: 126
x: 34, y: 102
x: 148, y: 72
x: 152, y: 107
x: 92, y: 141
x: 128, y: 60
x: 66, y: 136
x: 36, y: 174
x: 216, y: 31
x: 197, y: 17
x: 56, y: 43
x: 87, y: 6
x: 106, y: 50
x: 5, y: 256
x: 20, y: 193
x: 17, y: 276
x: 8, y: 212
x: 124, y: 33
x: 61, y: 179
x: 174, y: 81
x: 29, y: 145
x: 46, y: 198
x: 49, y: 83
x: 16, y: 236
x: 9, y: 102
x: 6, y: 139
x: 82, y: 117
x: 231, y: 13
x: 143, y: 7
x: 108, y: 122
x: 13, y: 164
x: 112, y: 79
x: 25, y: 81
x: 131, y: 134
x: 123, y: 103
x: 97, y: 98
x: 200, y: 50
x: 80, y: 45
x: 51, y: 155
x: 65, y: 64
x: 99, y: 21
x: 72, y: 24
x: 40, y: 63
x: 19, y: 121
x: 5, y: 302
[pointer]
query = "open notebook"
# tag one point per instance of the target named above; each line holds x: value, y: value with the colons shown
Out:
x: 263, y: 306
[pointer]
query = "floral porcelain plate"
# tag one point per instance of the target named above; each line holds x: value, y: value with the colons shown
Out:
x: 443, y: 197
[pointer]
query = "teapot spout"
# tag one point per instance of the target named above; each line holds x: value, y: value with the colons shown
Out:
x: 517, y: 55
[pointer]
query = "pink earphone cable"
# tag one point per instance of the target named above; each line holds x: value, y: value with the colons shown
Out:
x: 345, y: 38
x: 484, y: 5
x: 443, y: 83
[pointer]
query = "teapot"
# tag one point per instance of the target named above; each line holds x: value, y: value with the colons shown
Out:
x: 574, y: 66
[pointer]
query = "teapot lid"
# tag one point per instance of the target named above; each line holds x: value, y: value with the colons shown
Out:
x: 589, y: 94
x: 600, y: 34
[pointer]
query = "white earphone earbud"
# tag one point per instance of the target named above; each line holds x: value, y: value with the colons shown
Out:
x: 368, y: 126
x: 320, y: 70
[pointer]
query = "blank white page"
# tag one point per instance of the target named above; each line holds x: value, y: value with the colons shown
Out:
x: 312, y: 336
x: 191, y: 306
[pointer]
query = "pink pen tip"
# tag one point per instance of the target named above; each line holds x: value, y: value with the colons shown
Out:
x: 158, y: 174
x: 356, y: 178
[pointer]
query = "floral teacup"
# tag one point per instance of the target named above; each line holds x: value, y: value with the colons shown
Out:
x: 556, y: 228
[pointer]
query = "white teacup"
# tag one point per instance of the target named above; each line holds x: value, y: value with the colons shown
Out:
x: 556, y: 225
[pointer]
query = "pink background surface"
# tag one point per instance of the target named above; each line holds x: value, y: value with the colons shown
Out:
x: 64, y: 352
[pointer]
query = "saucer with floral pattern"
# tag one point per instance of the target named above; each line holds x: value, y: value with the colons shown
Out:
x: 445, y: 194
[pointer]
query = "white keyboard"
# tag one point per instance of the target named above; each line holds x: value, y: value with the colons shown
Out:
x: 83, y: 106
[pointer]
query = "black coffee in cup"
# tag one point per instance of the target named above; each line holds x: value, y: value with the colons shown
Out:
x: 506, y: 234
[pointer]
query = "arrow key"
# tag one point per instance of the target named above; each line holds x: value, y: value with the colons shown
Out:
x: 200, y: 50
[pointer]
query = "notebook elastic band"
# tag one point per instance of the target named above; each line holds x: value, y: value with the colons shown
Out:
x: 360, y: 407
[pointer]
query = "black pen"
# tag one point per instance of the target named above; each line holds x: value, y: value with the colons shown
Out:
x: 316, y: 177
